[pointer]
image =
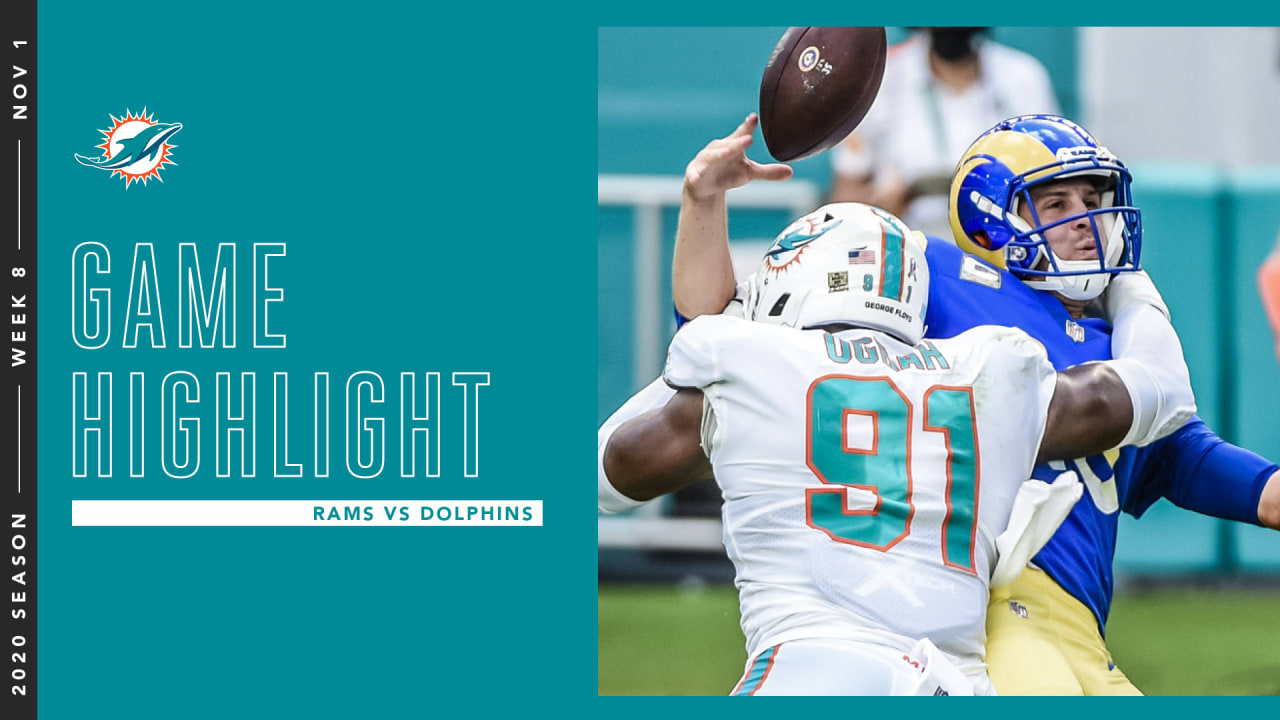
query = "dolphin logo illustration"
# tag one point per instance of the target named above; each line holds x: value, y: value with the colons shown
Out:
x: 798, y: 239
x: 143, y: 146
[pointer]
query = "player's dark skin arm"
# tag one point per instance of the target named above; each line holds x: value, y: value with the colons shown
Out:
x: 1090, y: 413
x: 661, y: 451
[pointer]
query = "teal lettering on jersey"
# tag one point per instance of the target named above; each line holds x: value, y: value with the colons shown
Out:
x: 880, y: 469
x: 909, y: 359
x: 885, y: 357
x: 950, y: 411
x: 837, y: 349
x: 930, y: 354
x: 865, y: 352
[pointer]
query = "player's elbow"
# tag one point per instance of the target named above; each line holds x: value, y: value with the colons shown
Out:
x: 625, y: 465
x: 1269, y: 503
x: 1090, y: 413
x: 694, y: 296
x: 1269, y: 515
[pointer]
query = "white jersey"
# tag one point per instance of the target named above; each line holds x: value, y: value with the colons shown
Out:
x: 865, y: 481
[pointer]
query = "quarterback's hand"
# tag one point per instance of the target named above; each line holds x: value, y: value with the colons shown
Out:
x: 723, y: 164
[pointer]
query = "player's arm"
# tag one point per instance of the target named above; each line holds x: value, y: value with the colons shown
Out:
x: 658, y: 452
x: 1199, y: 471
x: 1269, y: 503
x: 702, y: 281
x: 652, y: 397
x: 1148, y: 356
x: 1100, y: 406
x: 1090, y: 413
x: 1140, y: 396
x: 1193, y: 467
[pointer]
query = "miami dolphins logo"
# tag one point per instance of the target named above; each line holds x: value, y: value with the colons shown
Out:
x: 792, y: 242
x: 135, y: 148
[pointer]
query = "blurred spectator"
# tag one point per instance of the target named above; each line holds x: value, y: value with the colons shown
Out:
x: 942, y: 88
x: 1269, y: 288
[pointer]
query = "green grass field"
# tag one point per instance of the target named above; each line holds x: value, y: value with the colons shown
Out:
x: 663, y: 640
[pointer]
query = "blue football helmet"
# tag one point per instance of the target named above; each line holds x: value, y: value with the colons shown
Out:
x: 994, y: 180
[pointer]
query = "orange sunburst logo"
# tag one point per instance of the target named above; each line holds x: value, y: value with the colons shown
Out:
x: 135, y: 147
x: 793, y: 241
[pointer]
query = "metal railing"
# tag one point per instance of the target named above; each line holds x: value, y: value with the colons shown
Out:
x: 647, y: 195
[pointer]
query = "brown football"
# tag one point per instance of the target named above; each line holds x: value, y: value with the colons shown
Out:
x: 817, y: 87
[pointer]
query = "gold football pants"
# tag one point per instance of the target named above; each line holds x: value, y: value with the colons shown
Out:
x: 1042, y: 641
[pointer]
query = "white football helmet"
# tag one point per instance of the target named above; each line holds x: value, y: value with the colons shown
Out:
x: 844, y: 263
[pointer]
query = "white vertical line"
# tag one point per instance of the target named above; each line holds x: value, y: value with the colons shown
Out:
x: 19, y: 439
x: 19, y: 198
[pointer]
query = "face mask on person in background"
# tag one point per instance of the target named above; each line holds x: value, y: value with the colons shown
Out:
x: 953, y: 43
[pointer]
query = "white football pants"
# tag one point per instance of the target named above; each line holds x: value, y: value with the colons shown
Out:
x: 848, y: 667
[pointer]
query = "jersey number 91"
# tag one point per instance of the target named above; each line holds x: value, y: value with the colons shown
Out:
x: 884, y: 469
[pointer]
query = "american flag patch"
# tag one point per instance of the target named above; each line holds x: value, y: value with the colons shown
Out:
x: 862, y: 257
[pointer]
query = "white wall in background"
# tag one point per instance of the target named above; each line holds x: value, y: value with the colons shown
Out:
x: 1198, y: 94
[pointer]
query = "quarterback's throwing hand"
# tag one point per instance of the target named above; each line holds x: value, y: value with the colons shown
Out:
x: 723, y: 164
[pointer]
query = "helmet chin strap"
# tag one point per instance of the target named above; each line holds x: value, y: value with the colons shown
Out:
x: 1074, y: 287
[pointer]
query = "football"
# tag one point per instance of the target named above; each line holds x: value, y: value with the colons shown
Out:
x: 817, y: 87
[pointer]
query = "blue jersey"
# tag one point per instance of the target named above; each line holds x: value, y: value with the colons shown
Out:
x: 1193, y: 467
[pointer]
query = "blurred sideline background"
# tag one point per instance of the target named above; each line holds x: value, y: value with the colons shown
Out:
x: 1198, y: 130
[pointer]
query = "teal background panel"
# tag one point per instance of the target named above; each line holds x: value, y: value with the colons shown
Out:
x: 419, y: 239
